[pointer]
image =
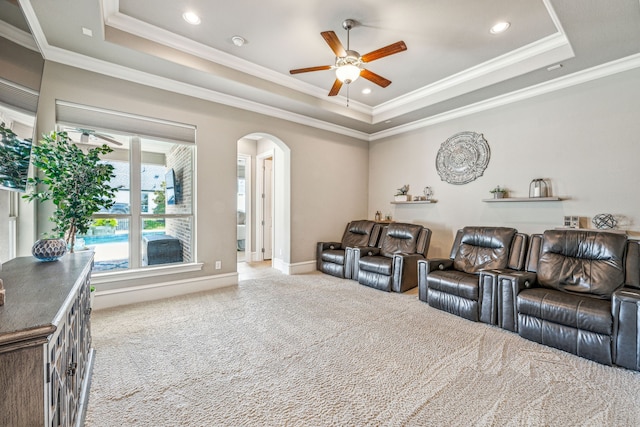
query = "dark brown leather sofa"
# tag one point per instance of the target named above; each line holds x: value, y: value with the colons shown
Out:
x: 463, y: 284
x: 393, y: 265
x: 580, y: 293
x: 336, y: 258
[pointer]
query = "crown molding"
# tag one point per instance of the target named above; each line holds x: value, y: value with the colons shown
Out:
x: 18, y: 36
x: 125, y: 23
x: 541, y: 53
x: 580, y: 77
x: 546, y: 51
x: 102, y: 67
x: 73, y: 59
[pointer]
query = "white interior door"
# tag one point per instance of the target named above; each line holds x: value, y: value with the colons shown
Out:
x: 267, y: 209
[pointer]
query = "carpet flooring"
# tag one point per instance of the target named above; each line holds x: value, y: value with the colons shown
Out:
x: 314, y: 350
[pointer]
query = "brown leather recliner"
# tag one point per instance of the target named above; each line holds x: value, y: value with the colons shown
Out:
x: 463, y: 284
x: 580, y: 294
x: 392, y: 266
x: 336, y: 258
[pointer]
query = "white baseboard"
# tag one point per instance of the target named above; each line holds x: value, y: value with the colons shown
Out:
x: 135, y: 294
x: 296, y: 268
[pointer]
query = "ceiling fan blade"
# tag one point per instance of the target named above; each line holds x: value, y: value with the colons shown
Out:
x: 335, y: 88
x: 375, y: 78
x: 107, y: 138
x: 334, y: 43
x: 306, y: 70
x: 396, y: 47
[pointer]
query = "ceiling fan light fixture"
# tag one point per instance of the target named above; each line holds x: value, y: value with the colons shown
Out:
x: 347, y: 73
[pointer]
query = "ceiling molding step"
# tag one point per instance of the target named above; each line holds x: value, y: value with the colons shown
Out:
x: 549, y: 50
x: 36, y: 30
x: 73, y: 59
x: 17, y: 36
x: 147, y: 31
x: 580, y: 77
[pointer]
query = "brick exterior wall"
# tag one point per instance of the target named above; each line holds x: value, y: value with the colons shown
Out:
x: 180, y: 159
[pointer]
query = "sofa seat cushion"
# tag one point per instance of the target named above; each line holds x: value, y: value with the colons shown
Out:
x: 454, y: 282
x: 576, y: 311
x: 335, y: 256
x: 376, y: 264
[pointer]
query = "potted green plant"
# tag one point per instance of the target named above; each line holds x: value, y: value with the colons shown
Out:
x: 498, y: 192
x: 76, y: 181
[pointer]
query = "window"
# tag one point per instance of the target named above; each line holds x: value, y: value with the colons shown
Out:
x: 151, y: 221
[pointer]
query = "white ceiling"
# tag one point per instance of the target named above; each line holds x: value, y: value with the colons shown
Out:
x: 452, y: 63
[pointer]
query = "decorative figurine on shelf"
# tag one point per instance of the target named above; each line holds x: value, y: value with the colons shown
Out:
x: 402, y: 194
x: 378, y: 216
x: 498, y: 192
x: 428, y: 193
x: 604, y: 221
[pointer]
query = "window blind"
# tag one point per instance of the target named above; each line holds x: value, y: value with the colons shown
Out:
x: 20, y: 97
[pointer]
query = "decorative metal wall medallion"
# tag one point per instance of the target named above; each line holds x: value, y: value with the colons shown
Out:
x: 462, y: 158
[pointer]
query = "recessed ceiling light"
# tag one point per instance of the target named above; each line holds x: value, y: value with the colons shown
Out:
x: 238, y: 41
x: 554, y: 67
x: 87, y: 32
x: 366, y: 90
x: 191, y: 18
x: 500, y: 27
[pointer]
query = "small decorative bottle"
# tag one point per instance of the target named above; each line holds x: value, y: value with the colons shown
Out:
x: 378, y: 217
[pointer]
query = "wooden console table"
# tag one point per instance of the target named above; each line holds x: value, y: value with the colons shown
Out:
x: 45, y: 341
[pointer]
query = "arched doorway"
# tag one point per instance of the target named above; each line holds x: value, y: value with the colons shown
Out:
x: 264, y: 191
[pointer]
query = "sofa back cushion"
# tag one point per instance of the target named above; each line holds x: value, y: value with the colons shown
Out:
x: 483, y: 248
x: 400, y: 237
x: 582, y: 262
x: 358, y: 233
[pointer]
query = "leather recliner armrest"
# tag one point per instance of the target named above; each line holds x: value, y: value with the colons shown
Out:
x: 330, y: 245
x: 323, y: 246
x: 350, y: 261
x: 405, y: 271
x: 360, y: 252
x: 509, y: 284
x: 439, y: 264
x: 625, y: 308
x: 426, y: 266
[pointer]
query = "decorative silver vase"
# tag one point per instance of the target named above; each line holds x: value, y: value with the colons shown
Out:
x: 49, y: 249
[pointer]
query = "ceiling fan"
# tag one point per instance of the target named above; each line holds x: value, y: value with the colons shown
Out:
x: 349, y: 63
x: 86, y: 133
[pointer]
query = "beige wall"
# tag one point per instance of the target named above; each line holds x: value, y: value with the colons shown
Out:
x: 584, y: 139
x: 20, y: 65
x: 320, y: 161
